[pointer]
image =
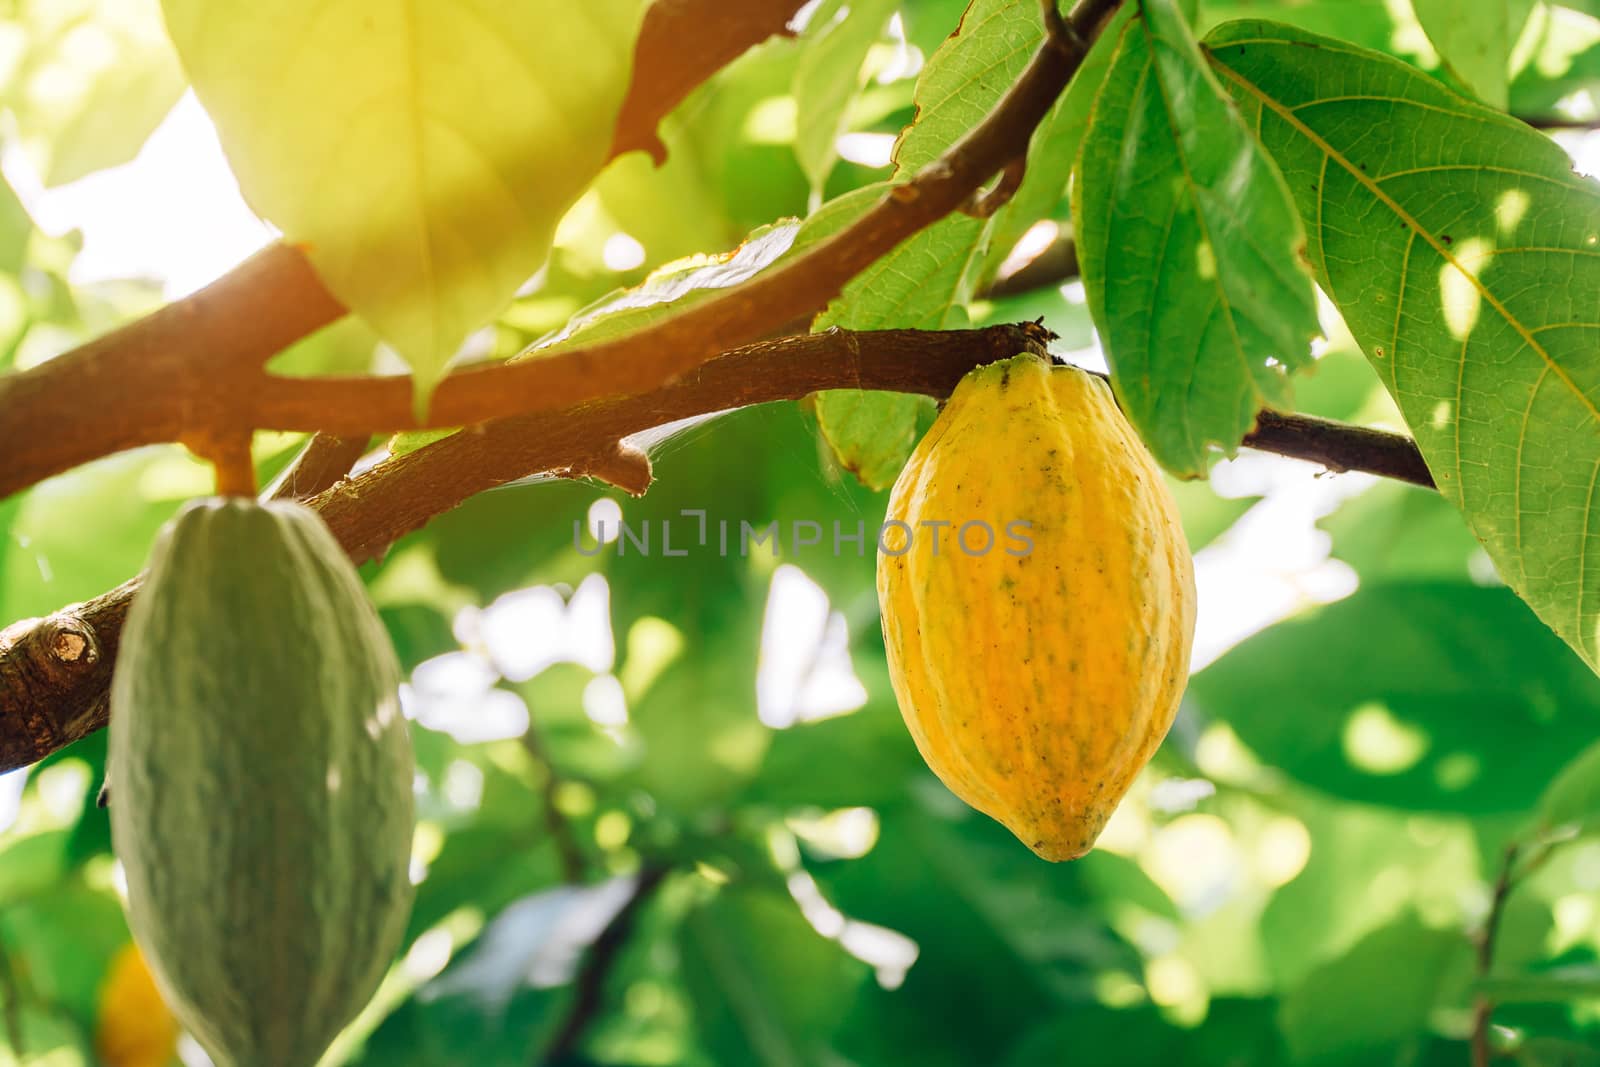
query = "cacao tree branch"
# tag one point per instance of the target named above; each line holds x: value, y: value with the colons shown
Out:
x: 574, y: 869
x: 1340, y: 447
x: 1055, y: 264
x: 54, y: 672
x: 589, y: 987
x: 325, y: 459
x: 43, y: 410
x: 1483, y: 1006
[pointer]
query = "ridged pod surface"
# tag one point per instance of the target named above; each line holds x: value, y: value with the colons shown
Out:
x: 262, y: 805
x: 1039, y: 676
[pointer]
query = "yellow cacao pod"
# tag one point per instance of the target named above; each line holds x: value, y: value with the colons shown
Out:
x: 1039, y: 643
x: 135, y: 1028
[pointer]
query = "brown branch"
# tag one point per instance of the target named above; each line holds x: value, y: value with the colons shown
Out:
x: 1340, y: 447
x: 1557, y: 122
x: 54, y: 672
x: 589, y: 988
x: 1057, y: 263
x: 574, y: 869
x: 45, y: 420
x: 679, y: 42
x: 1483, y: 1007
x: 324, y: 460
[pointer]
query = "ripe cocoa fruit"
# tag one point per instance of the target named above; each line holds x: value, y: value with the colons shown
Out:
x: 1037, y: 678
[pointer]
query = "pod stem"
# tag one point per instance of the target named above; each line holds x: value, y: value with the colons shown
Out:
x: 229, y: 454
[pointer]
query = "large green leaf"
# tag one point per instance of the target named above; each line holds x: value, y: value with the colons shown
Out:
x: 78, y: 534
x: 1381, y: 1007
x: 1400, y: 531
x: 1428, y: 696
x: 767, y: 988
x: 1465, y: 256
x: 423, y: 152
x: 1190, y: 247
x: 1235, y: 1033
x: 1368, y: 866
x: 1004, y: 940
x: 1572, y: 800
x: 87, y: 82
x: 1475, y: 41
x: 828, y: 77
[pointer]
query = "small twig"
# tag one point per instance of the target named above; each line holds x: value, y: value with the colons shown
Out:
x: 574, y: 869
x: 1484, y: 1007
x: 590, y: 985
x: 1060, y: 32
x: 983, y: 205
x: 1056, y: 264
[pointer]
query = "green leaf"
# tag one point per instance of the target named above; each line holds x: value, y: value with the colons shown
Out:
x: 423, y: 153
x: 872, y: 433
x: 1368, y: 866
x: 829, y: 77
x: 1575, y: 982
x: 1396, y: 531
x: 1380, y: 1005
x: 92, y: 82
x: 1004, y: 940
x: 925, y: 282
x: 1377, y: 24
x: 1235, y: 1033
x: 347, y: 346
x: 1475, y: 41
x: 1556, y: 1052
x: 1190, y: 250
x: 31, y: 865
x: 673, y: 288
x: 1437, y: 225
x: 1427, y: 696
x: 1572, y: 800
x: 863, y: 759
x: 1562, y: 67
x: 16, y: 226
x: 972, y: 69
x: 1053, y: 151
x: 767, y: 988
x: 62, y: 941
x: 81, y: 533
x: 48, y: 1037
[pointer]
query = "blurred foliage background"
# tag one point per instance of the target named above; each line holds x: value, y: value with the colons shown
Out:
x: 669, y: 813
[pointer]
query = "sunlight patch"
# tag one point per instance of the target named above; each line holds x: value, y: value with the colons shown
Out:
x: 1509, y: 210
x: 1459, y: 294
x: 1378, y: 743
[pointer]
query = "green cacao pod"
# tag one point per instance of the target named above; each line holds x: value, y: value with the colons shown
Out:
x: 1038, y: 666
x: 263, y: 798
